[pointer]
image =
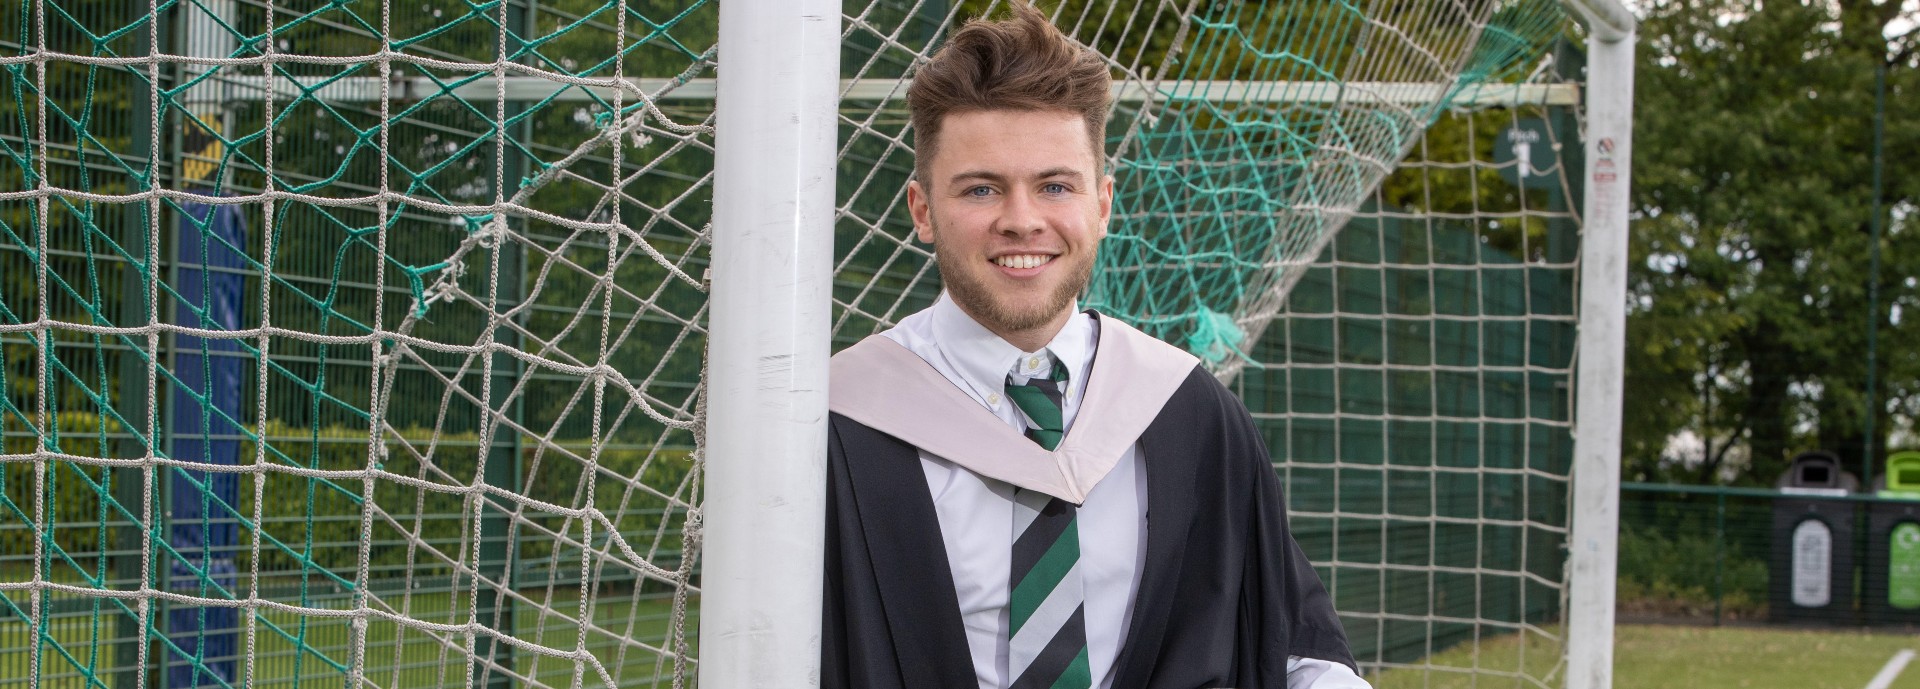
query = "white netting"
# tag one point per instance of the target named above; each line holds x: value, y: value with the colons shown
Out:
x: 1242, y: 136
x: 352, y: 341
x: 1417, y: 392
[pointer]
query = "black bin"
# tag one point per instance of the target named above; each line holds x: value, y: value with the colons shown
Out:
x: 1812, y: 565
x: 1891, y: 586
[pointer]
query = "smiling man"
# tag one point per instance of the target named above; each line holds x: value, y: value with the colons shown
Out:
x: 1022, y: 494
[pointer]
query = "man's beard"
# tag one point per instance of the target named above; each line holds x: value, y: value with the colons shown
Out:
x: 986, y: 306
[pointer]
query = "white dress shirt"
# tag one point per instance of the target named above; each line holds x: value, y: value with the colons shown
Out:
x: 976, y: 513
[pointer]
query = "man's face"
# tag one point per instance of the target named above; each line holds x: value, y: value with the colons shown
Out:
x: 1015, y: 208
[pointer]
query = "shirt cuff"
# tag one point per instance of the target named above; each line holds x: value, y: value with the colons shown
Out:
x: 1314, y: 673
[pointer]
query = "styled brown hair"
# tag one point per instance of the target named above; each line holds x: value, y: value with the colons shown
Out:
x: 1018, y: 63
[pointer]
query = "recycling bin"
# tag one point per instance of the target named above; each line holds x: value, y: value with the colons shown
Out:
x: 1892, y: 581
x: 1812, y: 565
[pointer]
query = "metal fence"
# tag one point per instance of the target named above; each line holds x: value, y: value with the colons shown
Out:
x: 1719, y: 554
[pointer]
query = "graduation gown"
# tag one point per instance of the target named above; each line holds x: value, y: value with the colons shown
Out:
x: 1226, y: 595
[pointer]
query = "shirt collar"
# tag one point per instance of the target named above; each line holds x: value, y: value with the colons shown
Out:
x: 984, y: 360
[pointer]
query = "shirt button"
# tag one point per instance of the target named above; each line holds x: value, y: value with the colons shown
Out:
x: 1033, y: 362
x: 993, y: 399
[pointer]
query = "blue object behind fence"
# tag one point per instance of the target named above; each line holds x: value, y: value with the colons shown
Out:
x: 201, y: 641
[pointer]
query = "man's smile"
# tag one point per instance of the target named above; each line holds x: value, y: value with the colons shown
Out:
x: 1023, y: 261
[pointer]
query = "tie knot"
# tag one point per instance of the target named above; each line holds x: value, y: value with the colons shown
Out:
x: 1041, y: 401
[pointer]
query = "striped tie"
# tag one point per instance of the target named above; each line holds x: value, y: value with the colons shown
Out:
x: 1047, y: 645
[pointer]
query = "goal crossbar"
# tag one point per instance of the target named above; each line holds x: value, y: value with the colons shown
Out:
x: 531, y: 88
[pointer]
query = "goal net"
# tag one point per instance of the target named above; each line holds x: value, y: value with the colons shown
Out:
x: 364, y: 342
x: 351, y: 342
x: 1417, y: 389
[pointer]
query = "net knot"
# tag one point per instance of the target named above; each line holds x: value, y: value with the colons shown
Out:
x: 439, y: 290
x: 488, y: 235
x: 448, y: 284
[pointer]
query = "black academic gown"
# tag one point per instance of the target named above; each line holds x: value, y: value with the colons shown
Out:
x: 1225, y: 597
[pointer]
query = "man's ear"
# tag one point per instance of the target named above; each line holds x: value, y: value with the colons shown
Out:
x: 1106, y: 205
x: 921, y: 210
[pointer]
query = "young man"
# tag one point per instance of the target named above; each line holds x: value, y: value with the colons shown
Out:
x: 1024, y: 495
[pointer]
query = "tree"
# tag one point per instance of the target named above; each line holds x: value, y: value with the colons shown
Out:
x: 1752, y: 207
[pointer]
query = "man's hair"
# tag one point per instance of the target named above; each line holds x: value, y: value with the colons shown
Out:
x: 1019, y: 63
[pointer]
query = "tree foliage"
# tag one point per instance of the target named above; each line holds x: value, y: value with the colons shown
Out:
x: 1751, y: 241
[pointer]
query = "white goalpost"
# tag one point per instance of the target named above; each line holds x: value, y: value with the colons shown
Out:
x: 767, y: 353
x: 1594, y: 542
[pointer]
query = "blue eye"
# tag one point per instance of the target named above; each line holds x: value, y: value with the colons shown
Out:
x: 1054, y: 188
x: 979, y: 191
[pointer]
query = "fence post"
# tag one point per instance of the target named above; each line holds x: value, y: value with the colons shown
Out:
x: 1719, y: 553
x: 137, y: 234
x: 498, y: 552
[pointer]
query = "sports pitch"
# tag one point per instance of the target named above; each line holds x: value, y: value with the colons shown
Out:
x: 1677, y: 657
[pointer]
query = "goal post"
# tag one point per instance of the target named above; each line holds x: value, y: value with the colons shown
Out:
x: 766, y: 435
x: 1595, y: 540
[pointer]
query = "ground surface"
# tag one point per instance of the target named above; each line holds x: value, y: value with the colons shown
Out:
x: 1646, y: 657
x: 1680, y: 657
x: 316, y: 654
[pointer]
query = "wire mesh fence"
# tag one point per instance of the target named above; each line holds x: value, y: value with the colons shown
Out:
x: 1713, y: 554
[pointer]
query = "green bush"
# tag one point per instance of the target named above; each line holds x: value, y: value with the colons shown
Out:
x: 1673, y: 573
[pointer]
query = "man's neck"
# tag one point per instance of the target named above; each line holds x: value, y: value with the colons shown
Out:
x: 1031, y: 339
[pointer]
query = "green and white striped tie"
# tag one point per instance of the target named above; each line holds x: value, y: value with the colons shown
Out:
x: 1047, y: 644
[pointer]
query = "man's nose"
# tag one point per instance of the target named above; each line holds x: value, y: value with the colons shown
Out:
x: 1020, y: 215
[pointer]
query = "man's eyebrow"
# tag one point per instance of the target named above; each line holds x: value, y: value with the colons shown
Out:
x: 976, y: 174
x: 1059, y: 172
x: 997, y: 177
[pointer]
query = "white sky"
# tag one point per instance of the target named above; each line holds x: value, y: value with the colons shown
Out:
x: 1898, y: 27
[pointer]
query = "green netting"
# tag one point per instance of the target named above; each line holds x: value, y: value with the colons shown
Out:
x: 1239, y: 144
x: 361, y: 341
x: 1225, y: 193
x: 349, y: 341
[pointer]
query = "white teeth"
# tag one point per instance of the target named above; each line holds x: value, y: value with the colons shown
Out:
x: 1023, y: 260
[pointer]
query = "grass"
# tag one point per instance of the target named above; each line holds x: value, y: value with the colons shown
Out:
x: 395, y: 656
x: 1646, y: 656
x: 1756, y: 658
x: 1668, y: 657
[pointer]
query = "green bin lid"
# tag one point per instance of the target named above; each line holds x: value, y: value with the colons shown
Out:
x: 1903, y: 474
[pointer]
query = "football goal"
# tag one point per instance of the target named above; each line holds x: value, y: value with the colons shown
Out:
x: 446, y: 343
